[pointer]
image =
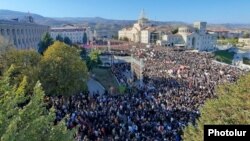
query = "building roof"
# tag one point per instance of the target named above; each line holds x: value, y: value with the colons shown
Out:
x: 14, y: 22
x: 69, y: 28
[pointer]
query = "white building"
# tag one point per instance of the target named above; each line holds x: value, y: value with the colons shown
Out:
x: 75, y: 33
x: 245, y: 41
x: 191, y: 37
x: 141, y: 32
x: 22, y: 34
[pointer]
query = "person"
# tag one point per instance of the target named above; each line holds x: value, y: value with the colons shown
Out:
x: 148, y: 114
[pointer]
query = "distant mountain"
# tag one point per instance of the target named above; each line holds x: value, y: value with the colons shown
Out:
x: 102, y: 23
x: 8, y: 14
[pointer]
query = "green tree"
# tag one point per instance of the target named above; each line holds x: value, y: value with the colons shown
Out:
x: 231, y: 107
x: 24, y: 117
x: 59, y: 38
x: 67, y: 41
x: 5, y: 48
x: 125, y: 39
x: 115, y: 37
x: 25, y: 62
x: 122, y: 89
x: 175, y: 31
x: 83, y: 53
x: 93, y: 59
x: 85, y: 38
x: 246, y: 35
x: 62, y: 70
x: 46, y: 41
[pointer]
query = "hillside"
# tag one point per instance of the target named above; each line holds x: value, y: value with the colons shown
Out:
x: 102, y: 23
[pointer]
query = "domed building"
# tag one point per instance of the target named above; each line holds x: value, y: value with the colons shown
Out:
x: 141, y: 32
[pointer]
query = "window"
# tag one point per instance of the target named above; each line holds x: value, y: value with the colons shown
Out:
x: 8, y: 32
x: 2, y: 31
x: 13, y: 31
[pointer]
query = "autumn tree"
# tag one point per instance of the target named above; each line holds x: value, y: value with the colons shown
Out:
x: 62, y: 70
x: 24, y: 117
x: 231, y: 107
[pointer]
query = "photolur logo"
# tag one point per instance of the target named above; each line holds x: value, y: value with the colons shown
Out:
x: 226, y: 132
x: 214, y: 132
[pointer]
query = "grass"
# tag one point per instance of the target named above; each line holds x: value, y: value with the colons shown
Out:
x: 246, y: 61
x: 224, y: 56
x: 105, y: 77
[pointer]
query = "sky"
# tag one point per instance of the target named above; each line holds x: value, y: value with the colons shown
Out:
x: 212, y: 11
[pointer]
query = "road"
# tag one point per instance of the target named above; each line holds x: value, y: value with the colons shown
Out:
x: 95, y: 86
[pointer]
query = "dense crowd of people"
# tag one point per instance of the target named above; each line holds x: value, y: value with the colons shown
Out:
x: 176, y: 85
x: 121, y: 72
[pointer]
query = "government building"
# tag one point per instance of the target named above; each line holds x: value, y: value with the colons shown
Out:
x: 23, y: 34
x: 75, y: 33
x: 195, y: 37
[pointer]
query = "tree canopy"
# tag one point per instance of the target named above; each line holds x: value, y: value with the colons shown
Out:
x: 246, y: 35
x: 231, y: 107
x: 59, y: 38
x: 24, y: 117
x: 175, y: 31
x: 93, y: 59
x: 25, y: 63
x: 62, y: 70
x: 85, y: 38
x: 67, y: 41
x: 46, y: 41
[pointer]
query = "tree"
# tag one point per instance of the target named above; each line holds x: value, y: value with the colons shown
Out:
x: 67, y: 41
x: 46, y: 41
x: 5, y: 48
x: 231, y: 107
x: 25, y: 63
x: 62, y: 70
x: 122, y: 89
x: 85, y: 38
x: 125, y: 39
x: 24, y: 117
x: 83, y: 53
x: 246, y: 35
x: 175, y: 31
x: 59, y: 38
x: 93, y: 59
x: 115, y: 37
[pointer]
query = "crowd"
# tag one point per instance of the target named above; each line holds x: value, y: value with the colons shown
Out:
x: 121, y: 71
x: 181, y: 82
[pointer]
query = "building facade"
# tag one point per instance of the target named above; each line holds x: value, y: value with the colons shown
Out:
x: 195, y: 37
x: 141, y: 32
x: 22, y: 34
x: 227, y: 33
x: 75, y: 33
x: 245, y: 41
